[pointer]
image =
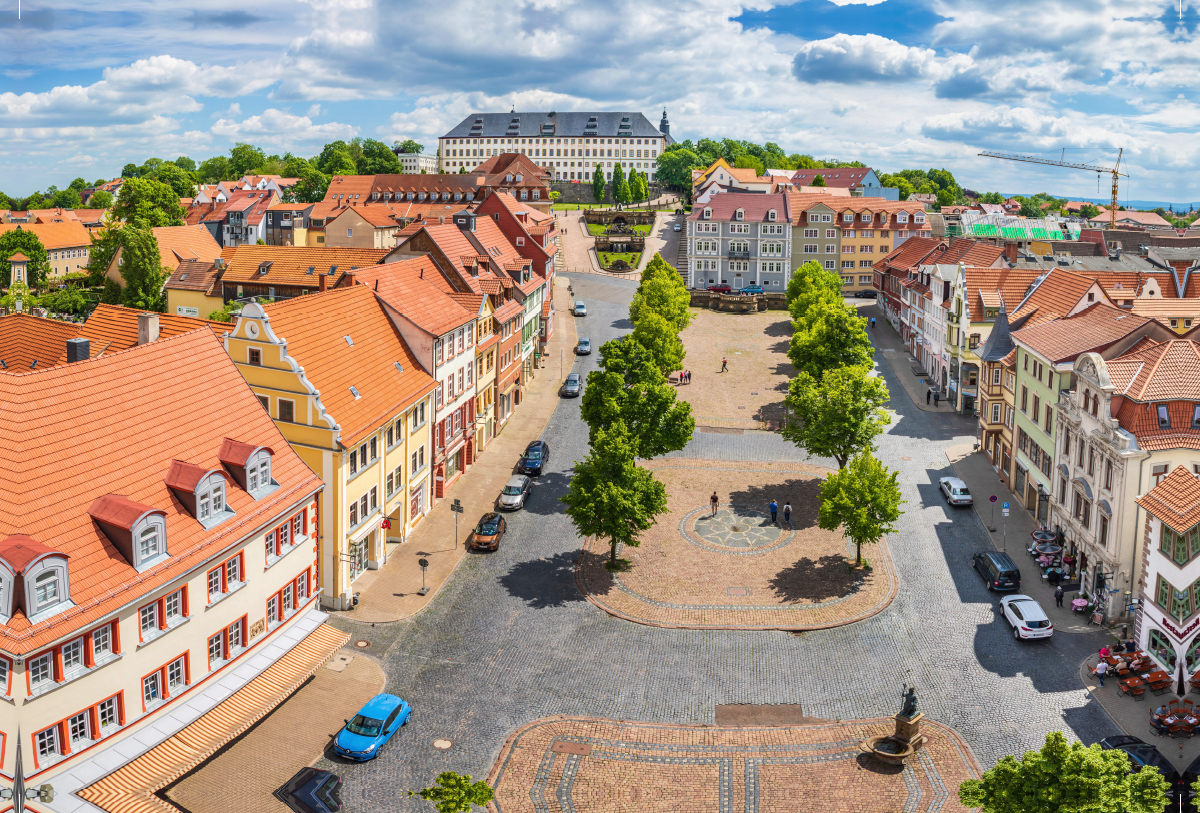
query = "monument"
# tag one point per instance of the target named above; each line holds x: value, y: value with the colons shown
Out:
x: 907, y: 739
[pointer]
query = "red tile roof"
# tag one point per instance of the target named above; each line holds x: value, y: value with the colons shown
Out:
x: 25, y: 339
x: 755, y: 207
x: 416, y: 289
x: 1059, y: 292
x: 179, y: 243
x: 54, y: 236
x: 1090, y: 330
x: 1158, y: 371
x: 846, y: 177
x: 58, y: 466
x: 1175, y: 500
x: 111, y: 328
x: 290, y: 264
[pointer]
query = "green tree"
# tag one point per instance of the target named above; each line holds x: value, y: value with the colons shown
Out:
x: 630, y: 389
x: 111, y: 295
x: 810, y: 283
x: 66, y: 199
x: 675, y: 165
x: 296, y: 167
x: 817, y: 181
x: 310, y: 188
x: 659, y: 337
x: 898, y: 182
x: 341, y: 163
x: 149, y: 201
x: 620, y: 189
x: 185, y: 163
x: 409, y: 145
x: 828, y: 336
x: 454, y: 793
x: 100, y: 200
x: 839, y: 416
x: 1066, y: 777
x: 863, y: 499
x: 598, y: 184
x: 142, y: 269
x: 1031, y: 208
x: 245, y: 158
x: 131, y: 171
x: 378, y: 159
x: 944, y: 198
x: 1088, y: 211
x: 610, y: 496
x: 181, y: 182
x: 65, y: 300
x: 27, y: 243
x: 329, y: 152
x: 79, y: 184
x: 662, y: 291
x: 462, y: 170
x: 217, y: 168
x: 105, y: 243
x: 226, y: 313
x: 750, y: 162
x: 994, y: 198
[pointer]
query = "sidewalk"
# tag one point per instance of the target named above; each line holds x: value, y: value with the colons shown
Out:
x: 1013, y: 535
x: 893, y: 350
x: 390, y: 593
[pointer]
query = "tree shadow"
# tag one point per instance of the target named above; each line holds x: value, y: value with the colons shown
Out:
x: 783, y: 327
x: 820, y: 580
x: 803, y: 493
x: 597, y: 579
x: 544, y: 583
x: 622, y: 324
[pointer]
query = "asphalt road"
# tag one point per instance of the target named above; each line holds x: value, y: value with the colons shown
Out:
x: 511, y: 639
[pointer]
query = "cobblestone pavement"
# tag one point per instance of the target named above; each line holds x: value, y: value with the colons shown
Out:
x: 737, y: 569
x: 753, y: 389
x: 602, y: 766
x: 897, y: 356
x: 511, y: 640
x: 662, y: 239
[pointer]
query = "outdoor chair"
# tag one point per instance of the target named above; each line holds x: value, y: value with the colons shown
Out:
x: 1188, y: 706
x: 1160, y: 687
x: 1181, y: 730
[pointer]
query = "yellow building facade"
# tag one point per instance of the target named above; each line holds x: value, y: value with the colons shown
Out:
x: 352, y: 401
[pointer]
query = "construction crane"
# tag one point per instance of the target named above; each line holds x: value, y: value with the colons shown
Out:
x: 1115, y: 170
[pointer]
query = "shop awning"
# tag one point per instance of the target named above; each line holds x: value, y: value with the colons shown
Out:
x: 133, y: 787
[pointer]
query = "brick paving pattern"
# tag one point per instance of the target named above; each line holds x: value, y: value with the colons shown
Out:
x: 753, y: 389
x: 510, y: 639
x: 738, y: 570
x: 578, y: 764
x: 898, y: 358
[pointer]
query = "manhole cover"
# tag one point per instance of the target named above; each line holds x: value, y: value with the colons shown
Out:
x: 442, y: 745
x: 362, y: 644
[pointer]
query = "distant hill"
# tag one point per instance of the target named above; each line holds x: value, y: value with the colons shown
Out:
x: 1128, y: 204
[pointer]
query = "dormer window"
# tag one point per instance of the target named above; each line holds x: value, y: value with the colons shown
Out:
x: 848, y: 217
x: 1164, y: 420
x: 771, y: 216
x: 46, y: 590
x: 902, y: 217
x: 249, y: 465
x: 150, y: 542
x: 739, y: 215
x: 201, y: 490
x: 211, y: 500
x: 708, y: 214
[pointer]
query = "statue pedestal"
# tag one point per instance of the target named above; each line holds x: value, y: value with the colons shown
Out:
x: 908, y: 730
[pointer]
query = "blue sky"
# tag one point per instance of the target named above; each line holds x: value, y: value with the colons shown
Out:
x: 87, y: 86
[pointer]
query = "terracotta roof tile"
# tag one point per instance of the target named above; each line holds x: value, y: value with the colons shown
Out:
x: 995, y: 284
x: 1092, y: 329
x: 147, y: 400
x: 111, y: 328
x: 1175, y: 500
x: 290, y: 264
x: 416, y: 289
x: 178, y: 243
x: 314, y: 327
x: 193, y: 275
x: 25, y: 339
x: 1058, y: 293
x: 54, y: 236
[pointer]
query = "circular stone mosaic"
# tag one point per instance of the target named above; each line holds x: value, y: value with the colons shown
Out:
x: 737, y: 529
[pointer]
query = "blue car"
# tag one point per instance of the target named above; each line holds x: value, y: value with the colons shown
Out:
x: 373, y: 726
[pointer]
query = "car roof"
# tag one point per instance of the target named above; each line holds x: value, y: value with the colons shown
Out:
x: 954, y: 481
x: 573, y: 375
x: 516, y: 480
x: 1032, y: 610
x: 380, y: 705
x: 490, y: 515
x: 1000, y: 558
x: 535, y: 444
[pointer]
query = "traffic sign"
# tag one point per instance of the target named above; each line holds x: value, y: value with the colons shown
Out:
x: 456, y: 507
x: 1004, y: 512
x: 992, y: 498
x: 424, y: 563
x: 1004, y: 505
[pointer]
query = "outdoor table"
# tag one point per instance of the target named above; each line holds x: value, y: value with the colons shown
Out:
x: 1044, y: 536
x: 1048, y: 548
x: 1154, y: 677
x: 1078, y: 604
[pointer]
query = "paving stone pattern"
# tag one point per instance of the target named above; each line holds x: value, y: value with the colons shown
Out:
x: 560, y: 765
x: 511, y: 639
x: 736, y: 569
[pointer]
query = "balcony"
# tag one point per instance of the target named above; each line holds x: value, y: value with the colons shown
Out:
x: 739, y: 255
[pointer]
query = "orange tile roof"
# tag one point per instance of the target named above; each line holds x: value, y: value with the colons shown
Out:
x: 314, y: 327
x: 178, y: 243
x: 1175, y: 500
x: 290, y: 264
x: 54, y: 236
x: 1059, y: 292
x: 1091, y: 329
x: 111, y: 328
x: 910, y: 254
x: 1158, y: 371
x: 25, y: 339
x: 1008, y: 284
x: 1163, y: 309
x: 192, y: 275
x: 415, y: 288
x: 147, y: 400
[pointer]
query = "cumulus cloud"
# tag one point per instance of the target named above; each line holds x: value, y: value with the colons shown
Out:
x: 314, y: 111
x: 278, y: 127
x: 853, y: 58
x: 841, y: 107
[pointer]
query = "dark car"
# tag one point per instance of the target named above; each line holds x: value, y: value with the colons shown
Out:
x: 1144, y: 755
x: 488, y: 532
x: 751, y: 289
x: 534, y: 458
x: 584, y: 348
x: 998, y: 571
x: 719, y: 289
x: 870, y: 293
x: 312, y: 791
x: 572, y: 386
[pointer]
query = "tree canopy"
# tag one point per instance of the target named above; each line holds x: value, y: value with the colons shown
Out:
x: 27, y: 243
x: 150, y: 201
x: 839, y: 416
x: 598, y: 184
x: 455, y: 793
x: 809, y: 284
x: 828, y: 336
x: 409, y: 145
x: 662, y: 290
x: 863, y: 500
x: 142, y: 269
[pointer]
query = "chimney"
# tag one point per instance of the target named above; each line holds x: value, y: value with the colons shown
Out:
x: 147, y: 328
x: 78, y: 350
x: 348, y: 279
x: 1010, y: 252
x: 321, y: 282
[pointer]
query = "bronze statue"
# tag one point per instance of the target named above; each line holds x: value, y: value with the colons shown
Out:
x: 910, y: 702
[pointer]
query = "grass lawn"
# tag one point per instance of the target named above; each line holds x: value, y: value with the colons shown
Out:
x: 597, y: 229
x: 607, y: 258
x: 570, y: 207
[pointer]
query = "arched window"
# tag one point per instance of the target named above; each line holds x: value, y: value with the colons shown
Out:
x: 1095, y: 405
x: 46, y: 589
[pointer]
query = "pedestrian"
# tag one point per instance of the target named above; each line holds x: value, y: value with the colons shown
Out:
x: 928, y: 395
x: 872, y: 323
x: 724, y: 364
x: 1058, y: 596
x: 774, y: 506
x: 713, y: 502
x: 936, y: 395
x: 787, y: 514
x: 1101, y: 670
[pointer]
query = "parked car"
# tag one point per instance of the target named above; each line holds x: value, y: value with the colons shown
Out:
x: 536, y: 454
x: 955, y: 491
x: 312, y: 791
x: 677, y: 227
x: 372, y: 727
x: 580, y: 308
x: 1144, y: 755
x: 1026, y: 617
x: 488, y: 532
x: 514, y: 493
x: 751, y: 289
x: 584, y: 347
x: 573, y: 386
x: 998, y: 570
x: 719, y: 289
x: 869, y: 293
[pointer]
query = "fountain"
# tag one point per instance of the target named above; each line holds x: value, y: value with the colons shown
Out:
x: 907, y: 739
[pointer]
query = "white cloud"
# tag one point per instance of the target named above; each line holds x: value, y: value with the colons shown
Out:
x: 841, y: 107
x: 278, y: 127
x: 314, y: 111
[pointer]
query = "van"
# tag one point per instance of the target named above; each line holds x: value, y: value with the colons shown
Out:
x: 998, y: 571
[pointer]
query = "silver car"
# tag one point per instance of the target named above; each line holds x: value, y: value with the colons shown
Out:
x: 514, y: 493
x: 955, y: 491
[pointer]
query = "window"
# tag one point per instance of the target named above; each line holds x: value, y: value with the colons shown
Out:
x: 1037, y: 410
x: 216, y: 650
x: 46, y: 589
x: 47, y: 743
x: 225, y: 579
x: 234, y: 634
x: 39, y: 670
x: 996, y: 412
x: 287, y: 411
x: 374, y: 449
x: 353, y: 513
x: 1024, y: 398
x: 254, y: 356
x: 148, y: 617
x: 418, y: 460
x: 72, y: 655
x: 102, y: 642
x: 1108, y: 471
x: 1091, y: 467
x: 152, y: 689
x: 1164, y: 420
x: 107, y: 713
x: 1158, y: 473
x: 149, y: 542
x: 1103, y: 535
x: 176, y: 675
x: 996, y: 376
x: 214, y: 583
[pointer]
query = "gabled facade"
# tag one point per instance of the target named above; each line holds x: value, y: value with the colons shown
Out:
x: 351, y: 398
x: 741, y: 240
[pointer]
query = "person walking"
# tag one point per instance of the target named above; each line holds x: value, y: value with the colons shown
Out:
x: 928, y: 395
x: 774, y: 507
x: 872, y: 323
x: 1058, y: 596
x: 713, y: 502
x: 936, y: 395
x: 1101, y: 670
x: 724, y: 364
x: 787, y: 514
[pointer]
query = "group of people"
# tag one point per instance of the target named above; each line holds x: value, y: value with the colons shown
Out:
x: 1102, y: 668
x: 1163, y: 718
x: 685, y: 376
x: 714, y: 502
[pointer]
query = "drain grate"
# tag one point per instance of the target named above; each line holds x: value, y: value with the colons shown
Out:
x: 362, y: 644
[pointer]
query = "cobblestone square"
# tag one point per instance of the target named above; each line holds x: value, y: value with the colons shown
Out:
x: 753, y: 388
x: 738, y: 569
x: 567, y: 764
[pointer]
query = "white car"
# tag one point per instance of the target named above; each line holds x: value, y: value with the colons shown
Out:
x: 580, y: 308
x: 955, y: 491
x: 677, y: 227
x: 1027, y: 617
